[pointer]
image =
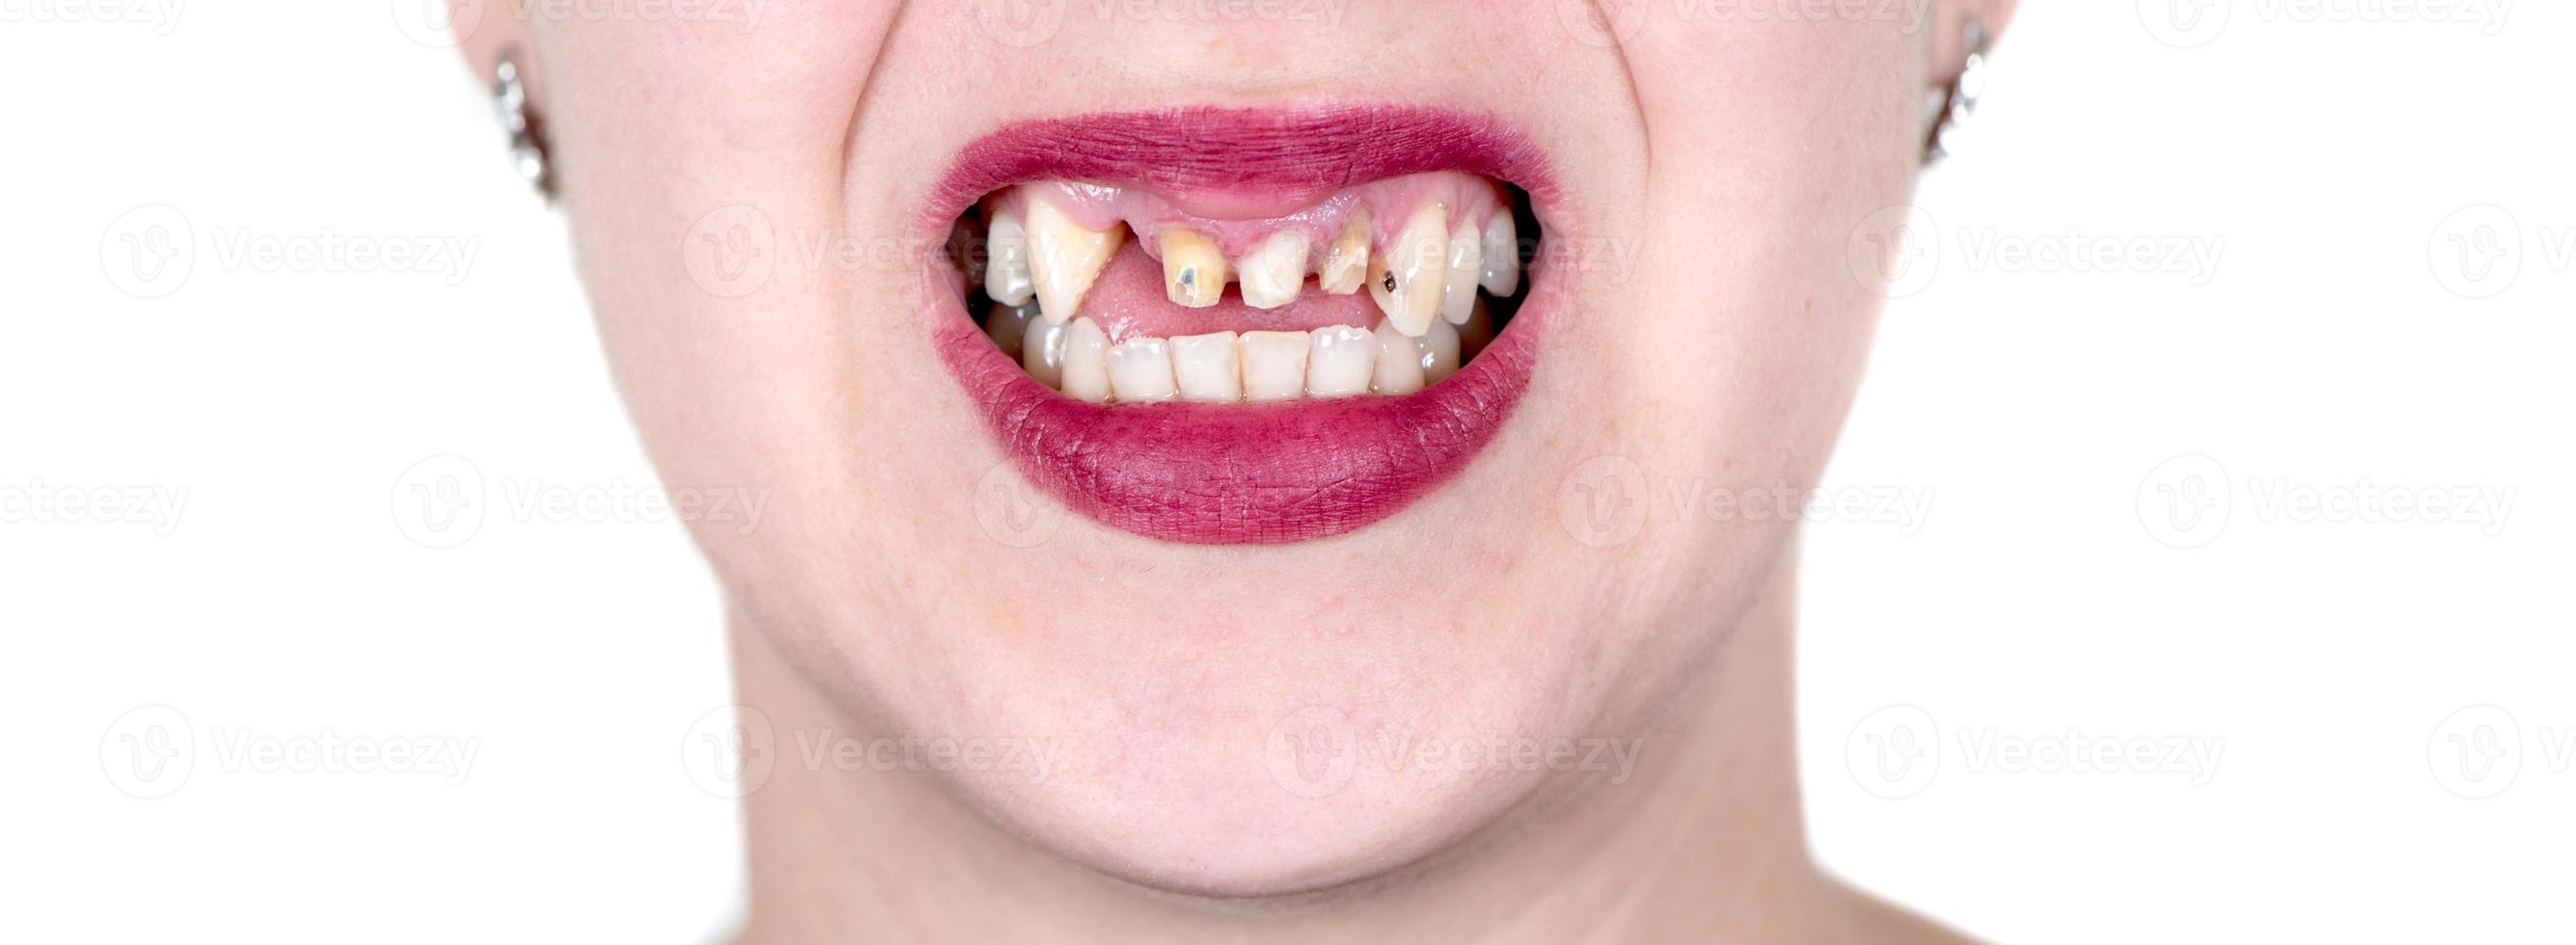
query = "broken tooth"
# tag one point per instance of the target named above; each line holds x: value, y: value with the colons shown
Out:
x: 1274, y: 365
x: 1006, y: 267
x: 1064, y: 258
x: 1502, y: 257
x: 1440, y: 352
x: 1346, y: 259
x: 1086, y: 362
x: 1193, y: 268
x: 1208, y: 368
x: 1274, y: 272
x: 1407, y: 283
x: 1398, y: 366
x: 1140, y: 371
x: 1466, y: 264
x: 1042, y: 352
x: 1338, y: 361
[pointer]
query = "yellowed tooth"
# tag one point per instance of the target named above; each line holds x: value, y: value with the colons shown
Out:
x: 1346, y: 260
x: 1086, y: 362
x: 1193, y: 268
x: 1407, y: 283
x: 1065, y: 258
x: 1398, y: 369
x: 1275, y: 271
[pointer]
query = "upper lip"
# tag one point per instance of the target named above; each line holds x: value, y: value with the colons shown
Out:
x: 1240, y: 474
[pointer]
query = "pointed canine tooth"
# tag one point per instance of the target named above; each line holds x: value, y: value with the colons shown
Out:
x: 1042, y: 351
x: 1338, y: 361
x: 1274, y: 365
x: 1140, y: 371
x: 1466, y: 263
x: 1006, y: 266
x: 1346, y: 260
x: 1086, y: 362
x: 1208, y: 368
x: 1193, y: 268
x: 1439, y: 352
x: 1274, y: 272
x: 1407, y: 282
x: 1064, y: 258
x: 1007, y: 324
x: 1502, y: 263
x: 1398, y: 368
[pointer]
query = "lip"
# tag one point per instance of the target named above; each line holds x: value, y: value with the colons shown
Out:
x: 1241, y: 473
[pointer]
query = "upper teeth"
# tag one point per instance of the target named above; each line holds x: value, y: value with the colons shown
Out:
x: 1065, y: 258
x: 1410, y: 278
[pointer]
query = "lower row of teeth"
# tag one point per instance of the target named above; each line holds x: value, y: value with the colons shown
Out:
x: 1227, y: 367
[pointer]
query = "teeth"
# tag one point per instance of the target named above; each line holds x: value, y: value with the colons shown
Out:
x: 1502, y: 262
x: 1140, y: 371
x: 1398, y: 369
x: 1006, y: 324
x: 1006, y: 268
x: 1346, y: 260
x: 1042, y: 351
x: 1065, y: 259
x: 1466, y: 263
x: 1439, y: 352
x: 1338, y: 360
x: 1273, y: 273
x: 1086, y: 362
x: 1274, y: 365
x: 1193, y: 268
x: 1407, y: 283
x: 1208, y: 368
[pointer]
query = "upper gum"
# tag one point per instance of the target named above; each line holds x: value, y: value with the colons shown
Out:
x: 1470, y: 199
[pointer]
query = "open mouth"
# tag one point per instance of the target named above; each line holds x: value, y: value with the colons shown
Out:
x: 1242, y: 326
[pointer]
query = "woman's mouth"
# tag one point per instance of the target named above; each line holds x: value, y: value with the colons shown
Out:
x: 1242, y: 326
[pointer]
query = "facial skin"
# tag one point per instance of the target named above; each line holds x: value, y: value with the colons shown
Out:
x: 1710, y: 171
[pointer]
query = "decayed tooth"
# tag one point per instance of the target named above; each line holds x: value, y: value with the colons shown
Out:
x: 1006, y: 264
x: 1140, y: 371
x: 1346, y: 261
x: 1502, y: 262
x: 1338, y: 360
x: 1208, y: 368
x: 1466, y: 264
x: 1086, y: 362
x: 1407, y: 282
x: 1064, y: 258
x: 1398, y: 368
x: 1193, y: 268
x: 1274, y: 365
x: 1007, y: 324
x: 1439, y: 352
x: 1042, y: 351
x: 1274, y: 272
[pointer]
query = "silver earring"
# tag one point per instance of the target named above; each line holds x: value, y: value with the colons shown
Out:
x: 1945, y: 110
x: 527, y: 139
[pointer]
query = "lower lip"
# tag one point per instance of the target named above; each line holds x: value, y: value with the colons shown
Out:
x: 1240, y: 473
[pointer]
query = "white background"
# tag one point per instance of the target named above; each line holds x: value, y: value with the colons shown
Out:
x: 2330, y: 344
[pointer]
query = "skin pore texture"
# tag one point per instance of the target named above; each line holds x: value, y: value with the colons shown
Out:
x: 1224, y: 725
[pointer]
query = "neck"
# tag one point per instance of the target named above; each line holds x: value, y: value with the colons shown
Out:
x: 1703, y: 842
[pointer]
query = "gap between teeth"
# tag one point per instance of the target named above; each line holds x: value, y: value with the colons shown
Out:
x: 1227, y: 367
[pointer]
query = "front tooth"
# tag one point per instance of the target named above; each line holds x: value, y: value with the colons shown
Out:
x: 1502, y: 275
x: 1065, y: 259
x: 1337, y: 363
x: 1086, y: 362
x: 1140, y: 371
x: 1346, y: 260
x: 1007, y: 324
x: 1274, y: 365
x: 1042, y: 352
x: 1193, y: 268
x: 1407, y: 283
x: 1207, y: 367
x: 1275, y: 271
x: 1439, y: 352
x: 1398, y: 369
x: 1466, y: 263
x: 1006, y: 267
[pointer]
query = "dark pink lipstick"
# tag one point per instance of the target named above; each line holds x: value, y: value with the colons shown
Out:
x: 1241, y: 473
